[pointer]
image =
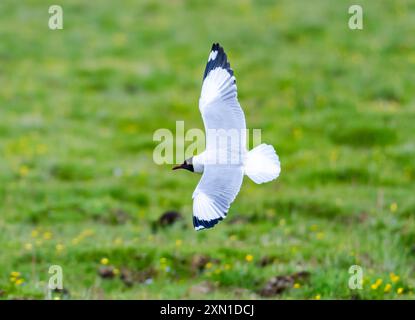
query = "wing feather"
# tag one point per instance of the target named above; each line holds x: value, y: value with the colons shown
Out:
x: 220, y: 109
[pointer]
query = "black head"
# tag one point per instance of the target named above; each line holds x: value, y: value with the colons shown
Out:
x: 187, y: 164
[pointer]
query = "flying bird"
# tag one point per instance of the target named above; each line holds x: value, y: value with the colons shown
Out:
x: 223, y: 165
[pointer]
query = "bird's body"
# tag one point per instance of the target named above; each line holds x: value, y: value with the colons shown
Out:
x: 199, y: 161
x: 226, y: 160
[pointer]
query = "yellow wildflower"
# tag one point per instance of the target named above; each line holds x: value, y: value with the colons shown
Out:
x: 19, y: 281
x: 317, y: 297
x: 28, y: 246
x: 394, y: 278
x: 34, y: 233
x: 376, y: 285
x: 163, y: 260
x: 399, y: 291
x: 388, y: 287
x: 249, y: 257
x: 104, y: 261
x: 297, y: 286
x: 116, y: 271
x: 393, y: 207
x: 227, y: 266
x: 47, y: 235
x: 179, y: 242
x: 208, y: 265
x: 15, y: 274
x: 320, y: 236
x: 60, y: 247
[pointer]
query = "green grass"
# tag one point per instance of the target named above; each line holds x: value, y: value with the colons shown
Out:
x: 78, y: 108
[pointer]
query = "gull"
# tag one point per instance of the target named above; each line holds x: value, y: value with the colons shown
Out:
x: 226, y: 159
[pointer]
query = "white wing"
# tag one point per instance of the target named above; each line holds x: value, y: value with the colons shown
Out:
x: 214, y: 194
x: 223, y: 169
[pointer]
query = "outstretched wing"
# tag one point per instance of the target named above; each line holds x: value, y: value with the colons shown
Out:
x: 218, y: 101
x: 222, y: 115
x: 216, y: 190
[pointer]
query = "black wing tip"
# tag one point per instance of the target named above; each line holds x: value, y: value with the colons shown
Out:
x: 200, y: 224
x: 221, y: 52
x: 216, y: 46
x: 220, y: 61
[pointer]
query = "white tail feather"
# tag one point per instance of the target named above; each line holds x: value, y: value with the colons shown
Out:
x: 262, y: 164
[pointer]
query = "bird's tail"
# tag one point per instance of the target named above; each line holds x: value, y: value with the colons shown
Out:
x: 262, y: 164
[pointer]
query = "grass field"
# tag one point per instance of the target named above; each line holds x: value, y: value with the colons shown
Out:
x: 79, y: 188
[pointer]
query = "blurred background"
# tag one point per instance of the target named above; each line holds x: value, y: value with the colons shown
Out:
x: 79, y: 188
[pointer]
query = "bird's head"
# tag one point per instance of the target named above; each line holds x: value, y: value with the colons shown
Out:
x: 187, y: 164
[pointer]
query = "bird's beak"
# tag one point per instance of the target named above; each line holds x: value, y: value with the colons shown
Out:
x: 180, y: 166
